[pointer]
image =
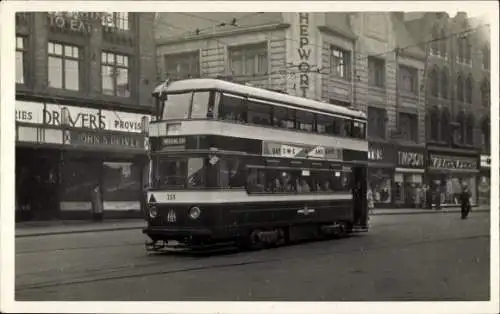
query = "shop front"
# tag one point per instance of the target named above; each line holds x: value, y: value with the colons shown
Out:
x: 409, y: 191
x: 66, y: 155
x: 483, y: 185
x: 448, y: 173
x: 381, y: 165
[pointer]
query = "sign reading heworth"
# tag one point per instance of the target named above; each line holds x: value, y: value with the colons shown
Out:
x: 275, y: 149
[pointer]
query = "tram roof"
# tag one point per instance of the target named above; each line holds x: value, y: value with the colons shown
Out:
x: 259, y: 93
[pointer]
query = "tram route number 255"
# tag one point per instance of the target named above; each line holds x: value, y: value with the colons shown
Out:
x: 170, y: 197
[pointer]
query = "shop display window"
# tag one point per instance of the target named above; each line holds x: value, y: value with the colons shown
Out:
x: 451, y: 185
x: 483, y: 188
x: 380, y: 182
x: 121, y: 181
x: 409, y: 189
x: 79, y: 178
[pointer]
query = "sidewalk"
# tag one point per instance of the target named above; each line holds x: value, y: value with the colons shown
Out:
x: 44, y: 228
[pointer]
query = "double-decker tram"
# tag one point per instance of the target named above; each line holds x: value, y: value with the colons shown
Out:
x: 237, y: 164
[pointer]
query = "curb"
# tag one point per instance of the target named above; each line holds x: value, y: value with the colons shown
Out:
x: 75, y: 231
x: 108, y: 229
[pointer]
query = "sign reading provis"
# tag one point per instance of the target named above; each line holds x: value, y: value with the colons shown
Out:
x: 275, y: 149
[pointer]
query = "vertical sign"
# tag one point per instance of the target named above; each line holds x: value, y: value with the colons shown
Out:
x: 304, y: 52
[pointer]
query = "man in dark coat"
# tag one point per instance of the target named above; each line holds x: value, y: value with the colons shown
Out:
x: 465, y: 202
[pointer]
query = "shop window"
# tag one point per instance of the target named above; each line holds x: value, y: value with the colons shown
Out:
x: 376, y: 72
x: 409, y: 126
x: 233, y: 108
x: 118, y: 20
x: 79, y: 178
x: 305, y: 121
x: 177, y: 106
x: 64, y: 66
x: 444, y: 83
x: 409, y: 190
x: 445, y: 125
x: 468, y: 89
x: 376, y: 122
x: 485, y: 93
x: 434, y: 124
x: 182, y: 65
x: 460, y: 88
x: 258, y: 113
x: 379, y: 184
x: 115, y: 74
x: 447, y: 188
x: 20, y: 60
x: 340, y: 61
x: 433, y: 84
x: 121, y: 181
x: 284, y: 117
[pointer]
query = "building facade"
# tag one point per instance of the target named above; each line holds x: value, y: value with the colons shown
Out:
x: 83, y: 102
x: 457, y: 105
x: 348, y: 59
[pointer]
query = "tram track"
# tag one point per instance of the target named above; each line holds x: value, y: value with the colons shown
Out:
x: 155, y: 265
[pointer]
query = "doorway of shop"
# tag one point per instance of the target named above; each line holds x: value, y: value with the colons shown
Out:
x: 37, y: 184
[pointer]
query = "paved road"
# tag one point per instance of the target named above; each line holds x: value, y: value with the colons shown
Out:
x: 404, y: 257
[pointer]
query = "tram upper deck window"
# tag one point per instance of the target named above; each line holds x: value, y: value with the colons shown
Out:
x: 284, y: 117
x: 258, y: 113
x: 232, y: 109
x: 358, y: 129
x: 305, y: 121
x: 200, y: 105
x: 329, y: 125
x: 177, y: 106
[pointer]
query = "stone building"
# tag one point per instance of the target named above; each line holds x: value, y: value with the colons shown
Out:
x: 83, y: 97
x: 457, y: 104
x: 342, y: 58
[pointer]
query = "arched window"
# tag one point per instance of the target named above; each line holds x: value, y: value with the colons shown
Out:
x: 468, y: 89
x: 485, y: 93
x: 434, y: 124
x: 444, y: 83
x: 442, y: 48
x: 485, y: 134
x: 486, y: 57
x: 445, y: 125
x: 433, y: 82
x: 462, y: 128
x: 467, y: 51
x: 460, y: 49
x: 469, y: 138
x: 460, y: 88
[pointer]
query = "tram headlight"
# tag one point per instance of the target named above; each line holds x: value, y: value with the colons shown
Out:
x: 153, y: 212
x: 194, y: 212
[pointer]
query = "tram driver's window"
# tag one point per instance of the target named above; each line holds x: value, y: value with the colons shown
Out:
x: 196, y: 172
x: 232, y: 109
x: 200, y: 105
x: 172, y: 172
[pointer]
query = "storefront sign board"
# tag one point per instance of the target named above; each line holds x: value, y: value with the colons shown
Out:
x: 485, y: 161
x: 105, y: 140
x: 452, y: 162
x: 29, y: 112
x: 275, y: 149
x: 408, y: 159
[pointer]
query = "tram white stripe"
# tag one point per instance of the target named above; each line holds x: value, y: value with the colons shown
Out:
x: 207, y: 127
x: 238, y: 196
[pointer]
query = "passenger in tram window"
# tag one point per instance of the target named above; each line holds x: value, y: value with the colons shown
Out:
x: 326, y: 186
x: 302, y: 186
x: 288, y: 186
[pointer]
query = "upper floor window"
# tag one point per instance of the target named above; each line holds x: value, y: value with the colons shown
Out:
x: 444, y: 83
x: 119, y: 20
x: 376, y: 122
x: 340, y: 62
x: 115, y: 74
x: 434, y: 124
x: 460, y: 88
x: 433, y: 83
x: 64, y: 66
x: 376, y: 72
x: 435, y: 42
x: 20, y: 60
x: 468, y: 89
x: 445, y: 125
x: 408, y: 77
x: 408, y: 126
x: 485, y: 93
x: 248, y: 59
x: 469, y: 138
x: 182, y: 65
x: 485, y: 134
x: 486, y: 57
x: 464, y: 50
x: 443, y: 49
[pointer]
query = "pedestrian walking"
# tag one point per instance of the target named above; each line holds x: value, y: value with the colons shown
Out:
x: 465, y: 202
x: 369, y: 198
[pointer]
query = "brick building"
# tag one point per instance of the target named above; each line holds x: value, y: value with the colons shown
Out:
x: 83, y: 97
x: 341, y: 58
x: 458, y: 104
